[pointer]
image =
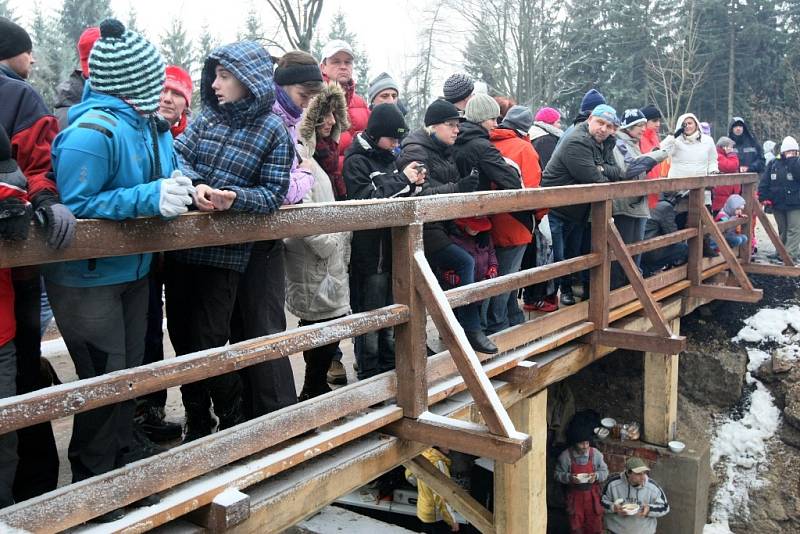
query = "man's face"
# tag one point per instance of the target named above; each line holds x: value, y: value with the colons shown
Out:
x: 171, y: 105
x: 738, y: 129
x: 387, y: 96
x: 600, y: 128
x: 636, y: 479
x: 446, y: 132
x: 226, y: 87
x: 654, y: 124
x: 22, y: 64
x: 635, y: 132
x: 326, y: 126
x: 388, y: 143
x: 582, y: 447
x: 338, y: 67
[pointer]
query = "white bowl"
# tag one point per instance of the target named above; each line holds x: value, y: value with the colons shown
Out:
x: 631, y: 508
x: 676, y: 446
x: 583, y: 477
x: 601, y: 433
x: 608, y: 422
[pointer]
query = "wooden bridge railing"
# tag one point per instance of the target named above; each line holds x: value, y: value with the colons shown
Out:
x: 417, y: 383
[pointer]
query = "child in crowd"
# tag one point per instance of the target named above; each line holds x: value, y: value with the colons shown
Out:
x: 476, y: 238
x: 728, y: 162
x: 733, y: 208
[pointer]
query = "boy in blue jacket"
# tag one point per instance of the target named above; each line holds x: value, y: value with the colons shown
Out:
x: 111, y: 163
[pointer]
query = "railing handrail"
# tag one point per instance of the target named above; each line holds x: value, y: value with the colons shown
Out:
x: 102, y: 238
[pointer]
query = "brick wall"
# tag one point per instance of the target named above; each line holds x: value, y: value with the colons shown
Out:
x: 616, y: 452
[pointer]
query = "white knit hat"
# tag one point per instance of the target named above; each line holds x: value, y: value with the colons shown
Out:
x: 481, y: 107
x: 789, y: 143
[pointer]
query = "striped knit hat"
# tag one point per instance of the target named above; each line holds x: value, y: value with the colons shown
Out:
x: 126, y: 65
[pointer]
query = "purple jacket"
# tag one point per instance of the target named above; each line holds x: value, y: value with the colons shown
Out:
x: 484, y: 257
x: 301, y: 180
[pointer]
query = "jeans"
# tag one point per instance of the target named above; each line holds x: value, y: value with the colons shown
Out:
x: 103, y: 328
x: 503, y: 310
x: 46, y: 313
x: 632, y: 230
x: 453, y: 257
x: 374, y: 351
x: 734, y: 240
x: 567, y: 238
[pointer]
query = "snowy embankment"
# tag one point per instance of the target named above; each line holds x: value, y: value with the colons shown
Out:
x: 740, y: 443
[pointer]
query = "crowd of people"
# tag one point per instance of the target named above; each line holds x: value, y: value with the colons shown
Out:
x: 122, y: 143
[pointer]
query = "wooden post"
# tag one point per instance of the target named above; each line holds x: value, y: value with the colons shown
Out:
x: 695, y: 260
x: 410, y: 354
x: 661, y: 394
x: 748, y: 228
x: 600, y: 277
x: 520, y: 489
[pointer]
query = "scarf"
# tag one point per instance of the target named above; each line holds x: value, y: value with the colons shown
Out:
x: 285, y: 101
x: 179, y: 126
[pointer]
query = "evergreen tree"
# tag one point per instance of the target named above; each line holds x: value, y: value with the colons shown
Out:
x: 54, y: 60
x: 176, y: 46
x: 205, y: 45
x: 339, y: 30
x: 77, y: 15
x: 252, y: 26
x: 6, y: 11
x: 133, y: 21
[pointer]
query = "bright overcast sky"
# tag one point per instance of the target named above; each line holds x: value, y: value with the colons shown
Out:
x: 387, y: 31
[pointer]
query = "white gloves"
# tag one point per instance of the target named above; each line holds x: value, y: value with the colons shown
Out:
x: 176, y: 195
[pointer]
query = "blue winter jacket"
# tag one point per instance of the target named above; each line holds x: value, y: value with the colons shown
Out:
x: 241, y: 146
x: 104, y: 166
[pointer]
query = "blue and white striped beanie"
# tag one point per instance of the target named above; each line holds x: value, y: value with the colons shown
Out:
x: 126, y: 65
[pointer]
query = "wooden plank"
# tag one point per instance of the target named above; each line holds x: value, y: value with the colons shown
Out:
x: 661, y: 395
x: 640, y: 247
x: 693, y: 220
x: 464, y: 357
x: 773, y: 270
x: 410, y: 352
x: 462, y: 436
x: 453, y: 494
x: 600, y: 276
x: 484, y: 289
x: 780, y: 248
x: 731, y: 223
x: 641, y: 341
x: 748, y: 227
x: 725, y: 250
x: 524, y: 372
x: 99, y: 239
x: 520, y: 501
x: 74, y: 397
x: 734, y: 294
x: 228, y: 509
x: 630, y: 269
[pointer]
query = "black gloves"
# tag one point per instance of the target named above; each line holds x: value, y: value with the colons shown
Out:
x: 15, y: 219
x: 469, y: 183
x: 678, y: 132
x: 55, y: 218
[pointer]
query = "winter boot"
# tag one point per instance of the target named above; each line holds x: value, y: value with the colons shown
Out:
x: 151, y: 419
x: 199, y: 422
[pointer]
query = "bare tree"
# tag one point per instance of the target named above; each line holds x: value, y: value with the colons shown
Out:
x: 298, y: 19
x: 417, y: 90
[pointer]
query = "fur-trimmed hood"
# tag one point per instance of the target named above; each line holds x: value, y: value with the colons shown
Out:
x: 332, y: 98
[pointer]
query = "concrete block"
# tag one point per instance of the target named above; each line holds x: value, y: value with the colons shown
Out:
x: 685, y: 479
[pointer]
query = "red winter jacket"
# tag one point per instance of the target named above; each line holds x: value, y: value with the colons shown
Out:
x: 648, y: 143
x: 727, y: 163
x: 358, y: 111
x: 507, y: 229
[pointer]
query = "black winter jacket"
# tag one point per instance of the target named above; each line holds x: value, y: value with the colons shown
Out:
x: 68, y: 93
x: 780, y: 183
x: 749, y: 150
x: 474, y: 150
x: 661, y: 222
x: 370, y: 172
x: 443, y: 177
x: 577, y: 160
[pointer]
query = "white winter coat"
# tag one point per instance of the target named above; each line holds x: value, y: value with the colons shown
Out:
x: 317, y: 284
x: 690, y: 157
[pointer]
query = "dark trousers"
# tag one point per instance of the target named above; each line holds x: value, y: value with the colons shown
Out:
x: 154, y: 337
x: 259, y: 311
x: 453, y: 257
x: 8, y: 441
x: 374, y: 351
x: 103, y: 328
x: 675, y: 254
x: 632, y: 230
x: 318, y: 361
x: 200, y: 301
x: 37, y: 469
x: 567, y: 240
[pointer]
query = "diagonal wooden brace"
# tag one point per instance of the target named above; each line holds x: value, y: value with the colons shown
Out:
x: 466, y: 361
x: 452, y: 493
x: 461, y: 436
x: 773, y: 235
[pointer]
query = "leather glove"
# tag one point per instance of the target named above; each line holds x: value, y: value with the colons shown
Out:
x: 176, y: 195
x: 15, y: 219
x: 469, y: 183
x: 59, y: 222
x: 451, y: 278
x: 678, y: 132
x: 491, y: 272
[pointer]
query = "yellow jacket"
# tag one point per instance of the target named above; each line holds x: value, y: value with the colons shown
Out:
x: 430, y: 506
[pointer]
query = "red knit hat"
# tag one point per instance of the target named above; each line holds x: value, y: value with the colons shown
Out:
x: 85, y: 44
x: 548, y: 115
x: 179, y: 81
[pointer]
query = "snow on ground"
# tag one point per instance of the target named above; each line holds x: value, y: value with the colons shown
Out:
x: 740, y: 444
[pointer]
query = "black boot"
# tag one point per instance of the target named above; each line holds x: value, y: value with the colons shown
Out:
x: 151, y: 419
x: 199, y: 422
x: 480, y: 342
x: 141, y: 447
x: 567, y: 299
x: 232, y: 416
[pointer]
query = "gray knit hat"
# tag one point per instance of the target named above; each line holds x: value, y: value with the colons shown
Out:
x: 126, y: 65
x: 457, y: 87
x: 518, y: 118
x: 723, y: 142
x: 481, y: 107
x: 381, y: 82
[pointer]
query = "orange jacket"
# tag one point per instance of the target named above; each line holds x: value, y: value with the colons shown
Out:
x: 648, y: 143
x: 508, y: 230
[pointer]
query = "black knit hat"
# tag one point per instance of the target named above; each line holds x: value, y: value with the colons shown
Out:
x: 441, y: 111
x: 386, y: 120
x: 457, y: 87
x: 651, y: 112
x: 14, y: 40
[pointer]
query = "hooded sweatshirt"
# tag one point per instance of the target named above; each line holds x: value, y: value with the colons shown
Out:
x: 695, y: 155
x: 301, y: 180
x: 649, y: 493
x: 728, y: 211
x: 749, y: 150
x: 240, y: 146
